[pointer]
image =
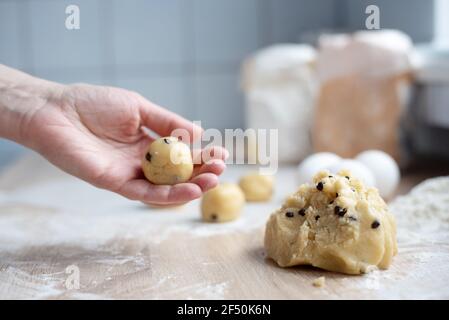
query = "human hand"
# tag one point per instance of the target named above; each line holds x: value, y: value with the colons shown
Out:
x: 94, y: 133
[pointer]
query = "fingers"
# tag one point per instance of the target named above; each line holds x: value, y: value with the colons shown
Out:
x: 142, y: 190
x: 210, y: 154
x: 204, y: 178
x: 215, y: 167
x: 143, y: 144
x: 165, y: 206
x: 205, y: 181
x: 164, y: 122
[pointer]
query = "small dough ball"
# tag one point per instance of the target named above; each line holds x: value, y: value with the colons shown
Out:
x: 314, y: 163
x: 222, y: 203
x: 384, y: 168
x: 334, y: 223
x: 257, y: 187
x: 358, y: 170
x: 167, y: 161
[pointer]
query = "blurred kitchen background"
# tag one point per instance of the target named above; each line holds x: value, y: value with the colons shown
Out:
x: 186, y: 55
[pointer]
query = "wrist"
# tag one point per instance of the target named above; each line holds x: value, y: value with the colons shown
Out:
x: 21, y: 97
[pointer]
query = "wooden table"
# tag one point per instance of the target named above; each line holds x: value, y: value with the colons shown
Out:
x: 54, y: 227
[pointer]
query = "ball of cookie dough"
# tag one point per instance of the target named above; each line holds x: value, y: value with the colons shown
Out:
x: 222, y: 203
x: 334, y: 223
x: 167, y: 161
x: 257, y: 187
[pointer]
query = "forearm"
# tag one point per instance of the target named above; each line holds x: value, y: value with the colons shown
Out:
x: 21, y: 96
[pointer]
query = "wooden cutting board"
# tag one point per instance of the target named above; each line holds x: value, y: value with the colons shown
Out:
x: 52, y: 224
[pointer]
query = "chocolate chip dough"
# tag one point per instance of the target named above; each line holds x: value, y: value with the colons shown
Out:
x: 222, y: 203
x: 167, y: 161
x: 334, y: 223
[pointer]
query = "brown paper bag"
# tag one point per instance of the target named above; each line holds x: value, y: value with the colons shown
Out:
x: 358, y: 112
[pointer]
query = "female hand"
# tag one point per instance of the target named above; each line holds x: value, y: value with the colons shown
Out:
x: 94, y: 133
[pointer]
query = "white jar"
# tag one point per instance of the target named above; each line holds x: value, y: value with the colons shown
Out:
x: 280, y: 84
x: 427, y: 126
x: 432, y: 78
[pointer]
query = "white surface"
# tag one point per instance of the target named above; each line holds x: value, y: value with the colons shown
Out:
x: 423, y: 214
x: 87, y: 216
x: 61, y: 221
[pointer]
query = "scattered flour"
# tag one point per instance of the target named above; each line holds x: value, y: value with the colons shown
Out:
x: 212, y: 291
x: 71, y: 212
x: 77, y: 213
x: 423, y: 214
x: 37, y: 287
x: 428, y: 201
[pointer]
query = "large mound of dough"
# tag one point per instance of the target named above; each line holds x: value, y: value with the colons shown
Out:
x: 336, y: 224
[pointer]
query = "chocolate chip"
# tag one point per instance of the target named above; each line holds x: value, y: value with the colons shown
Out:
x: 347, y: 177
x: 352, y: 218
x: 375, y: 224
x: 332, y: 201
x: 302, y: 212
x: 340, y: 211
x: 213, y: 216
x: 148, y: 157
x: 289, y: 214
x: 331, y: 176
x: 320, y: 186
x: 166, y: 141
x: 336, y: 195
x: 316, y: 218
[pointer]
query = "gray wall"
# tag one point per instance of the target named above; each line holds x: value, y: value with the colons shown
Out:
x: 183, y: 54
x: 414, y: 17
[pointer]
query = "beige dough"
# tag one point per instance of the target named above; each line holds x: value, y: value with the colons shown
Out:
x: 257, y: 187
x: 222, y: 203
x: 319, y: 282
x: 167, y: 161
x: 335, y: 223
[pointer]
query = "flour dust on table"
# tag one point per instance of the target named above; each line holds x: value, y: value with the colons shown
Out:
x: 50, y: 221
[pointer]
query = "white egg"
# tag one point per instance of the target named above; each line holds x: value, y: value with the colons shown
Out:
x: 357, y: 169
x: 384, y: 168
x: 314, y: 163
